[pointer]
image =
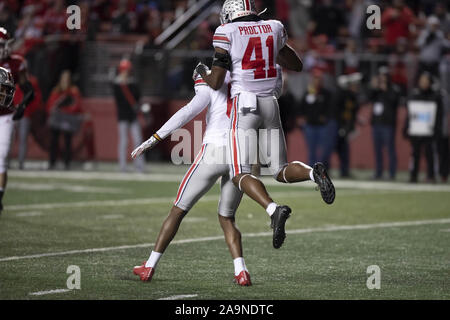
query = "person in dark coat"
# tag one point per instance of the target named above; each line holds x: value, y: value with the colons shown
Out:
x: 385, y: 98
x: 127, y: 95
x: 315, y: 108
x: 347, y: 104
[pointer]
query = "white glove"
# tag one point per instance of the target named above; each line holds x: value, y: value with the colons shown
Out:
x: 200, y: 67
x: 149, y: 144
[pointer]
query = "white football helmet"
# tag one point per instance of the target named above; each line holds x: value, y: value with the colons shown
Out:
x: 233, y: 9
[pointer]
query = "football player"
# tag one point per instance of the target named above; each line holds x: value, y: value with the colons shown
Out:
x: 209, y: 165
x: 16, y: 65
x: 250, y: 48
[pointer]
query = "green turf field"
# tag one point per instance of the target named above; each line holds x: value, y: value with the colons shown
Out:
x: 106, y: 223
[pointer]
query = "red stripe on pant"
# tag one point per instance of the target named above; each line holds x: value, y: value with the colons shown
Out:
x: 236, y: 166
x: 189, y: 174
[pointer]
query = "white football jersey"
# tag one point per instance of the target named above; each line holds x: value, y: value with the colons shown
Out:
x: 253, y: 47
x: 217, y: 116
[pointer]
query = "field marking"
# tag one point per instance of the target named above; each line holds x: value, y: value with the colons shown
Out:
x: 113, y: 216
x: 249, y: 235
x: 168, y: 200
x: 180, y: 296
x: 41, y: 293
x: 170, y: 177
x: 29, y: 214
x: 194, y: 219
x: 65, y: 187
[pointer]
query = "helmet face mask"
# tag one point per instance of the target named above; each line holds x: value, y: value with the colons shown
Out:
x: 233, y: 9
x: 7, y: 88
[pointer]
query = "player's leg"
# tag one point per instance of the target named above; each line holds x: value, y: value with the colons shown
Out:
x: 68, y: 149
x: 123, y: 144
x: 6, y: 131
x: 136, y: 133
x: 230, y: 198
x: 24, y: 128
x: 197, y: 181
x: 243, y: 150
x: 273, y: 147
x: 54, y: 147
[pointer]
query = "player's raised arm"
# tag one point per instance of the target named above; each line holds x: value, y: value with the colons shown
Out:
x: 221, y: 64
x: 200, y: 101
x: 289, y: 59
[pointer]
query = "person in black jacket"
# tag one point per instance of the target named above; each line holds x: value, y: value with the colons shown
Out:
x: 126, y: 94
x: 423, y: 124
x: 385, y: 98
x: 347, y: 104
x: 315, y: 107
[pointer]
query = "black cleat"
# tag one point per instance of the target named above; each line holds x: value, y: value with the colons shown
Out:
x: 324, y: 182
x: 279, y: 218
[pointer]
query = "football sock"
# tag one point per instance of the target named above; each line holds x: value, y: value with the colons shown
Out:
x: 1, y: 195
x: 311, y: 175
x: 239, y: 265
x: 271, y: 208
x: 153, y: 259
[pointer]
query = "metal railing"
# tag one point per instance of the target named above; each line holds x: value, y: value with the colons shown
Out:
x: 167, y: 73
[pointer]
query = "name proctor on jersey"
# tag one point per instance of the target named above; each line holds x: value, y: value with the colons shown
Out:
x: 251, y: 30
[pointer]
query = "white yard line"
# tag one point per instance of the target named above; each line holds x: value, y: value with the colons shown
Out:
x: 29, y: 214
x: 30, y: 186
x: 249, y: 235
x: 170, y: 177
x: 168, y: 200
x: 113, y: 216
x: 41, y: 293
x: 180, y: 296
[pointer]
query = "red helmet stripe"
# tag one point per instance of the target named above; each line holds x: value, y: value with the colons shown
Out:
x: 247, y: 5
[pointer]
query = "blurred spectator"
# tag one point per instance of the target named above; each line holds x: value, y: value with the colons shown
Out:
x: 399, y: 65
x: 351, y: 57
x: 355, y: 10
x: 25, y: 123
x: 55, y: 18
x: 287, y: 104
x: 396, y: 21
x: 299, y: 16
x: 124, y: 18
x: 443, y: 138
x: 327, y: 19
x: 127, y: 95
x: 7, y: 18
x: 431, y: 42
x: 347, y: 109
x: 442, y: 142
x: 423, y: 124
x: 385, y: 97
x: 315, y: 107
x: 441, y: 12
x: 64, y: 109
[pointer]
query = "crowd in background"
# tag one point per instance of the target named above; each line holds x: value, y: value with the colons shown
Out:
x: 346, y: 65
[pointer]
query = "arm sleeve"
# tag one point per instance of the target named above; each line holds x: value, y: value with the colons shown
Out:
x: 187, y: 113
x: 222, y: 39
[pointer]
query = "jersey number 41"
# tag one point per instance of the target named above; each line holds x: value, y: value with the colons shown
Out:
x: 259, y: 64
